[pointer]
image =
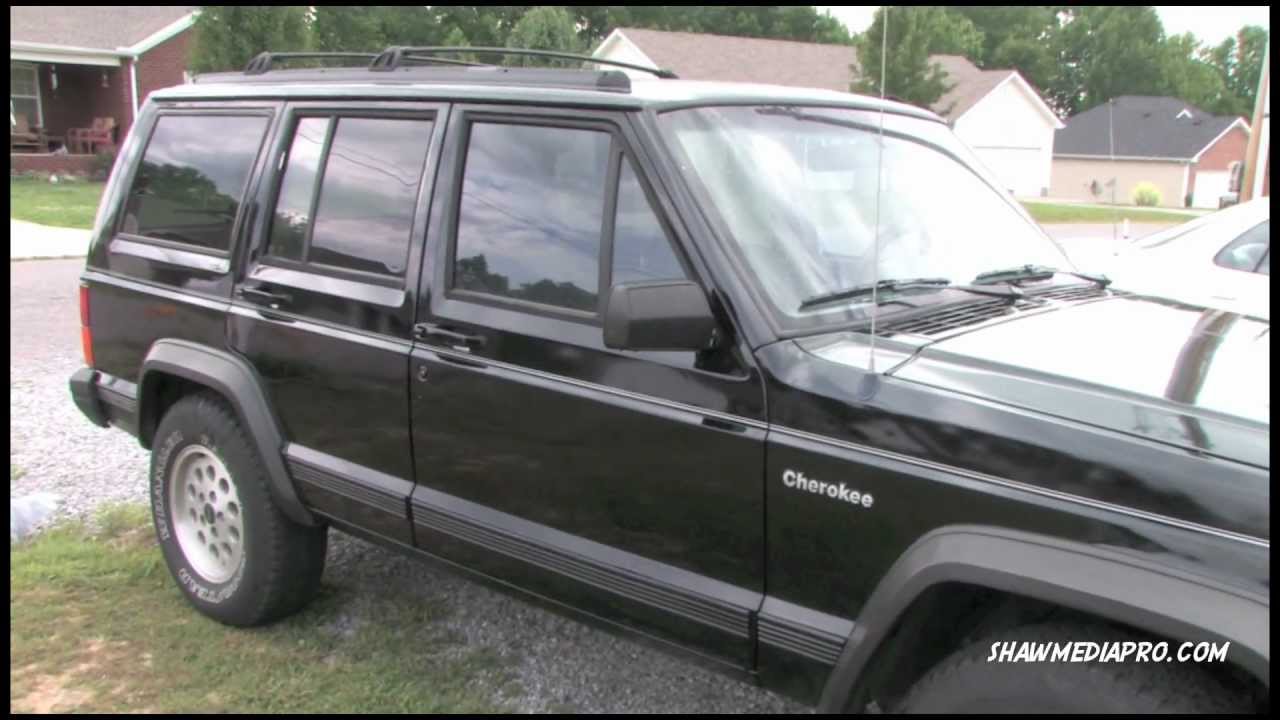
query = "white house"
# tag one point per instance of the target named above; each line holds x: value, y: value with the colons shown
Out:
x: 1004, y: 120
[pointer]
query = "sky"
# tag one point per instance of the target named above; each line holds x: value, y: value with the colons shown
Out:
x: 1211, y: 24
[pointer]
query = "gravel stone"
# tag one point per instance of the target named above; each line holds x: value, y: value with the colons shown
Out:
x: 558, y: 664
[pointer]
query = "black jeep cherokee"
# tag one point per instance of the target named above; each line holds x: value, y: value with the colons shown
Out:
x: 777, y: 378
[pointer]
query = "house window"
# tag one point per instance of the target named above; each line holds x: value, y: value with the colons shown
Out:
x: 24, y: 94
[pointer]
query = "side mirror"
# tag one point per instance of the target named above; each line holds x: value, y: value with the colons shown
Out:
x: 667, y: 315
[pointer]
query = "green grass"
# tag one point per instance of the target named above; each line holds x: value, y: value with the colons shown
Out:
x: 69, y: 203
x: 97, y: 625
x: 1045, y: 213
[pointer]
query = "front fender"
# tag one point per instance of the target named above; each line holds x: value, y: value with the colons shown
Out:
x: 1088, y: 578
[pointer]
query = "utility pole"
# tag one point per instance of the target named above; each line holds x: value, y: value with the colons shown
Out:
x: 1256, y: 157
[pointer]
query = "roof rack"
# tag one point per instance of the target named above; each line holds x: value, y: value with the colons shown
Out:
x: 394, y: 56
x: 263, y: 61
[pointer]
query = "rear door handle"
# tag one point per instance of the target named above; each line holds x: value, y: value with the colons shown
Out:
x: 263, y: 296
x: 424, y: 331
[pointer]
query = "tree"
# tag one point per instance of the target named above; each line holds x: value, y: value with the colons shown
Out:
x: 1189, y: 77
x: 1106, y: 51
x: 784, y: 22
x: 1238, y: 61
x: 915, y: 33
x: 1019, y: 37
x: 227, y: 36
x: 544, y: 27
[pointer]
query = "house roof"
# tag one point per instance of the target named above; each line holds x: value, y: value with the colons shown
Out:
x: 969, y: 84
x: 699, y: 56
x: 1145, y: 127
x: 98, y: 27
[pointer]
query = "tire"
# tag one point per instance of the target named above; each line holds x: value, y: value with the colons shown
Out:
x: 966, y: 682
x: 236, y: 557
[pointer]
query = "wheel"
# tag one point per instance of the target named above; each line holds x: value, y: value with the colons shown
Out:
x: 236, y: 557
x: 966, y: 682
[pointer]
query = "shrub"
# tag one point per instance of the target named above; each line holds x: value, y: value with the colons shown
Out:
x: 1146, y: 194
x: 102, y: 164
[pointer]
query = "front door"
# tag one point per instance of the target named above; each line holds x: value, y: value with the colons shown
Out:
x: 627, y: 484
x: 325, y: 307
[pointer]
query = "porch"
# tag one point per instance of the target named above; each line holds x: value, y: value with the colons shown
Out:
x: 53, y: 106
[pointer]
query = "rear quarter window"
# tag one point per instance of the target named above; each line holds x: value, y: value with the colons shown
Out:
x: 1247, y: 251
x: 191, y: 180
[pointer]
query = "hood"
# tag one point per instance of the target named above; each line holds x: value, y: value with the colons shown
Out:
x: 1174, y: 373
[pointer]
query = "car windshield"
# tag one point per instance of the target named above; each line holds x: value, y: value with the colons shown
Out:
x: 796, y: 189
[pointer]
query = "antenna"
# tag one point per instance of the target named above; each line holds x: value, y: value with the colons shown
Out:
x: 1115, y: 180
x: 875, y: 248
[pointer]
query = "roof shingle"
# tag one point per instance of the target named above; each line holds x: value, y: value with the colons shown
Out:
x: 698, y: 56
x: 101, y: 27
x: 969, y: 84
x: 1145, y: 126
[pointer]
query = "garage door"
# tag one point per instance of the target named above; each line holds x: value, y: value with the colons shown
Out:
x: 1022, y: 170
x: 1211, y: 185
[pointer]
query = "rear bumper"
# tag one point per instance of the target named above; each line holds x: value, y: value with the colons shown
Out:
x: 84, y: 391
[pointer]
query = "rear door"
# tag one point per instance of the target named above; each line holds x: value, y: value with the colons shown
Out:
x: 627, y: 484
x: 325, y: 305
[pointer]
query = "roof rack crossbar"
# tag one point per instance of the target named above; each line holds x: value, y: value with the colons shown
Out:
x: 392, y: 57
x: 262, y: 62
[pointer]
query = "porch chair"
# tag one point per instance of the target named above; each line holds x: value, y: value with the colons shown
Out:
x: 83, y: 140
x: 24, y: 135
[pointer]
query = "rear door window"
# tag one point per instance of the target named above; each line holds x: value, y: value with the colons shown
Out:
x: 191, y: 181
x: 349, y: 193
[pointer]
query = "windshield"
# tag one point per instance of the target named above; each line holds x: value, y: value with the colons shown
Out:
x: 796, y: 190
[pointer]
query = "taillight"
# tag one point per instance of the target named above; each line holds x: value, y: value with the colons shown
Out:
x: 86, y: 337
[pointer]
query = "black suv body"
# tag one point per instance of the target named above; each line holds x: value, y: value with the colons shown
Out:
x: 492, y: 317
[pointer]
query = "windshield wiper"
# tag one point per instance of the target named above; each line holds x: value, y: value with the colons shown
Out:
x: 890, y: 285
x: 1034, y: 272
x: 860, y: 290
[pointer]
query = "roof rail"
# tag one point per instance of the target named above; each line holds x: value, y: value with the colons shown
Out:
x: 263, y: 61
x: 392, y: 57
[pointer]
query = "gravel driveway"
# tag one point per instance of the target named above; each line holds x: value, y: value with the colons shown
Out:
x: 559, y: 664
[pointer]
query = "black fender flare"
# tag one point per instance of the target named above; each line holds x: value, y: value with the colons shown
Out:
x: 1090, y: 578
x: 235, y: 379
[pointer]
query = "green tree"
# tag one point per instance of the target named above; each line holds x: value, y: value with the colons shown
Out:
x: 1106, y: 51
x: 227, y: 36
x: 348, y: 28
x: 1238, y: 61
x: 915, y: 33
x: 1016, y: 36
x: 1188, y: 76
x: 545, y: 27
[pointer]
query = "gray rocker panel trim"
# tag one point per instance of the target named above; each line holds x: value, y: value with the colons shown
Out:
x: 1120, y: 587
x: 236, y: 381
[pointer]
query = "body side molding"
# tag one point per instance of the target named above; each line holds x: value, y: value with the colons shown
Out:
x: 236, y: 380
x: 680, y: 592
x: 1088, y: 578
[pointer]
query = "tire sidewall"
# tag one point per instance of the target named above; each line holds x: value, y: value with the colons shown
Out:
x: 190, y: 424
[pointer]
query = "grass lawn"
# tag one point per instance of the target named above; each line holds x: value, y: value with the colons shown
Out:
x: 1066, y: 213
x: 97, y: 625
x: 70, y: 204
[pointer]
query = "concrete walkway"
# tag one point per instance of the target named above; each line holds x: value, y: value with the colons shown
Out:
x: 28, y: 241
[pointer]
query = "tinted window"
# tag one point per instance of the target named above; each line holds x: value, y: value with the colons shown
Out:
x: 368, y: 194
x: 641, y: 251
x: 293, y: 208
x: 364, y: 214
x: 191, y: 179
x: 1264, y: 267
x: 1248, y: 250
x: 531, y: 214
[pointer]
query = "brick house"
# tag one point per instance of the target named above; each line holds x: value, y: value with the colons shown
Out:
x: 71, y: 64
x: 1185, y: 152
